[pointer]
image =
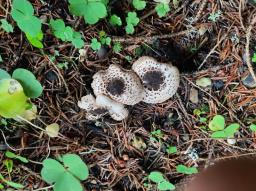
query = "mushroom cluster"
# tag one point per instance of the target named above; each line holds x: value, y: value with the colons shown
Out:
x: 149, y: 81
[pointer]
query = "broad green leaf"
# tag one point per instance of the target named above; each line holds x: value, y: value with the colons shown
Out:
x: 162, y: 9
x: 139, y: 4
x: 1, y: 186
x: 31, y: 86
x: 58, y: 28
x: 23, y: 13
x: 165, y: 185
x: 115, y: 20
x: 218, y: 134
x: 6, y: 26
x: 171, y: 150
x: 4, y: 74
x: 67, y: 182
x: 156, y: 177
x: 14, y: 185
x: 186, y: 170
x: 76, y: 166
x: 231, y: 130
x: 217, y: 123
x: 14, y: 156
x: 52, y: 170
x: 13, y: 101
x: 36, y: 41
x: 253, y: 127
x: 52, y: 130
x: 92, y: 11
x: 77, y: 40
x: 9, y: 165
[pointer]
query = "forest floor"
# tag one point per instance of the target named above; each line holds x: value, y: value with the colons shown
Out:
x: 203, y: 38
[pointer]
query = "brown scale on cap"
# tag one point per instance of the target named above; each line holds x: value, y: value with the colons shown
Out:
x: 229, y: 175
x: 120, y: 85
x: 160, y: 80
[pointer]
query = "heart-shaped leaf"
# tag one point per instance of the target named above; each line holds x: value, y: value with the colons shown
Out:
x: 31, y: 86
x: 52, y: 130
x: 156, y: 177
x: 231, y: 130
x: 67, y: 182
x: 165, y: 185
x: 217, y: 123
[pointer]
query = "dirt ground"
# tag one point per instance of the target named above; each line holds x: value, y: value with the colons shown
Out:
x: 121, y: 154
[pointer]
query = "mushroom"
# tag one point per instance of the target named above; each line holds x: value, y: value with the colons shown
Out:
x: 120, y: 85
x: 160, y: 80
x: 94, y: 112
x: 96, y: 108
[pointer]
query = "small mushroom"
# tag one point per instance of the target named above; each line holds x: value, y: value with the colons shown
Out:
x: 94, y: 112
x: 120, y: 85
x: 160, y: 80
x: 102, y: 105
x: 116, y: 110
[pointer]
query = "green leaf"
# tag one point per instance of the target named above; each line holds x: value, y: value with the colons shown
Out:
x: 14, y: 156
x: 77, y: 40
x: 9, y: 165
x: 117, y: 47
x: 254, y: 58
x: 14, y: 185
x: 92, y: 10
x: 162, y: 9
x: 23, y: 13
x: 165, y: 185
x: 1, y: 186
x: 76, y: 166
x: 115, y: 20
x: 231, y: 130
x: 52, y: 170
x: 217, y: 123
x: 139, y: 4
x: 4, y: 74
x: 253, y: 127
x: 95, y: 45
x: 171, y: 150
x: 129, y: 29
x: 31, y: 86
x: 67, y: 182
x: 219, y: 135
x: 6, y: 26
x: 186, y: 170
x: 132, y: 19
x: 156, y: 177
x: 36, y: 41
x: 58, y: 28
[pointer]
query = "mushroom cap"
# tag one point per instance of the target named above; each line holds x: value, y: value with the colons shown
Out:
x: 116, y: 110
x: 160, y: 80
x: 120, y: 85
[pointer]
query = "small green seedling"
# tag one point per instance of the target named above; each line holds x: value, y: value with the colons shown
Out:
x: 139, y: 4
x: 66, y: 173
x: 9, y: 183
x: 186, y: 170
x: 95, y: 44
x: 117, y: 48
x: 162, y: 9
x: 91, y: 10
x: 171, y: 150
x: 16, y: 90
x: 217, y: 123
x: 7, y: 27
x: 228, y: 132
x: 115, y: 20
x: 253, y: 127
x: 103, y: 40
x: 162, y: 183
x: 23, y: 13
x: 66, y: 33
x: 12, y: 155
x: 132, y: 20
x: 254, y: 58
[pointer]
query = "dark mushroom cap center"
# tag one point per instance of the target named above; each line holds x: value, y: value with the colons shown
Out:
x: 116, y: 86
x: 153, y: 80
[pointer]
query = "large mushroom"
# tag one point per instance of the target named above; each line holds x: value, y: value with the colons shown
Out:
x: 120, y: 85
x: 160, y: 80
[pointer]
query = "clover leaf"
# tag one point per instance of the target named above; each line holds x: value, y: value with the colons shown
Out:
x: 66, y: 176
x: 115, y: 20
x: 95, y: 44
x: 162, y: 183
x: 186, y: 170
x: 91, y: 10
x: 162, y: 9
x: 139, y: 4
